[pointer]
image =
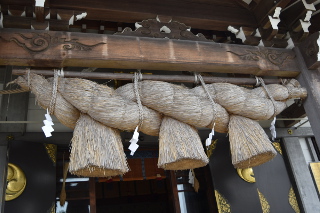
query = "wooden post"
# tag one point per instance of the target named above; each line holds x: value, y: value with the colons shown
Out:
x: 92, y: 194
x: 310, y: 80
x: 3, y: 172
x: 309, y: 200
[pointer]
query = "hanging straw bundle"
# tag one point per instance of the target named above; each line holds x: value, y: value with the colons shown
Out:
x: 97, y: 150
x: 180, y: 146
x: 105, y: 106
x: 249, y: 144
x: 63, y: 110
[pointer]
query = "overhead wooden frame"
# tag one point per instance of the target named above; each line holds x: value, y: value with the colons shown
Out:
x: 61, y: 49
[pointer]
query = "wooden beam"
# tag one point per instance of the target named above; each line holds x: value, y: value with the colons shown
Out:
x: 3, y: 172
x: 194, y: 14
x: 61, y: 49
x: 167, y: 78
x: 307, y: 193
x: 174, y: 187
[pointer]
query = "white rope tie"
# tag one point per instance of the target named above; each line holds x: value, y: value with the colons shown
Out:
x: 28, y: 77
x: 272, y: 127
x: 209, y: 139
x: 54, y: 91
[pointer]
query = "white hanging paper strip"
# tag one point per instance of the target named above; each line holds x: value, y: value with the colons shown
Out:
x: 191, y: 178
x: 134, y: 140
x: 47, y: 128
x: 209, y: 139
x: 273, y: 129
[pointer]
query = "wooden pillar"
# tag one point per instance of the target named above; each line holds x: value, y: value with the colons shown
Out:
x: 3, y: 172
x: 309, y: 200
x: 307, y: 56
x: 92, y: 194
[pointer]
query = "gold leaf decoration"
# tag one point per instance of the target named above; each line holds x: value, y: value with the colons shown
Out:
x: 223, y: 205
x: 16, y: 182
x: 212, y: 147
x: 264, y: 203
x: 293, y: 201
x: 52, y: 151
x: 277, y: 147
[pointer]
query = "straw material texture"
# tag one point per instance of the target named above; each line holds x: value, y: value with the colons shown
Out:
x: 180, y: 146
x: 97, y: 150
x: 107, y: 107
x: 180, y: 103
x: 64, y: 111
x: 249, y: 144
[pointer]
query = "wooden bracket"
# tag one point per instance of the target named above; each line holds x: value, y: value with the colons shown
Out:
x: 310, y: 51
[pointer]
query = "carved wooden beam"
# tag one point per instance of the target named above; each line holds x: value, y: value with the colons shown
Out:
x: 60, y: 49
x: 309, y: 49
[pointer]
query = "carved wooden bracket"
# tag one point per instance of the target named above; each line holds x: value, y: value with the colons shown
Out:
x: 310, y: 51
x: 39, y: 42
x: 273, y: 57
x: 156, y: 28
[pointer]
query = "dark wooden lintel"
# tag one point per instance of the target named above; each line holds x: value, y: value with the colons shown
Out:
x: 61, y: 49
x: 295, y: 110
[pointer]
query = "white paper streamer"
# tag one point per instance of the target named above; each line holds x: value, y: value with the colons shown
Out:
x: 273, y: 129
x: 209, y: 139
x: 47, y: 128
x: 134, y: 140
x: 191, y: 178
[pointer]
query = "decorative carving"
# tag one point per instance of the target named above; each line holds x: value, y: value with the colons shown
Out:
x: 293, y: 201
x: 155, y: 28
x: 264, y: 203
x: 16, y: 182
x: 37, y: 42
x: 277, y: 146
x: 274, y: 57
x: 247, y: 175
x: 223, y: 205
x: 52, y: 152
x: 211, y: 148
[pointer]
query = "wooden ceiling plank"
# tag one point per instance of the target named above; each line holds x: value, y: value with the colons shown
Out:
x: 61, y: 49
x: 196, y: 15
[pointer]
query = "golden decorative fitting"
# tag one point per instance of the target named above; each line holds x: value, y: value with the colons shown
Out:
x: 52, y: 208
x: 264, y: 203
x: 223, y: 205
x: 16, y: 182
x: 52, y: 151
x: 10, y: 137
x: 212, y: 147
x: 293, y: 201
x: 247, y: 175
x: 290, y: 131
x: 315, y: 168
x: 277, y: 146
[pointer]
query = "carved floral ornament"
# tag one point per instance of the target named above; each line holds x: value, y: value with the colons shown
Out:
x: 158, y: 28
x: 39, y: 42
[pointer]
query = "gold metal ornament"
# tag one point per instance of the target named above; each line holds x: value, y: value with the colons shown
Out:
x: 16, y: 182
x: 293, y: 201
x: 223, y: 205
x: 247, y: 175
x: 211, y: 147
x: 52, y: 152
x: 264, y: 203
x: 277, y: 146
